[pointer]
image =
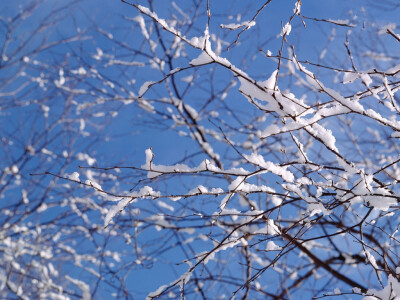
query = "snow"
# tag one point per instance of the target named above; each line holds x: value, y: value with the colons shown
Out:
x: 198, y: 190
x: 233, y: 26
x: 317, y: 208
x: 74, y: 176
x: 269, y: 229
x: 286, y: 29
x: 340, y: 21
x: 160, y: 21
x: 93, y: 184
x: 157, y: 170
x: 192, y: 112
x: 188, y: 79
x: 271, y: 167
x: 85, y: 157
x: 224, y: 202
x: 236, y: 184
x: 79, y: 71
x: 145, y: 86
x: 205, y: 257
x: 60, y: 81
x: 297, y: 8
x: 142, y: 25
x: 271, y: 246
x: 380, y: 202
x: 197, y: 42
x: 25, y: 196
x: 389, y: 26
x: 46, y: 110
x: 114, y: 210
x: 271, y: 81
x: 165, y: 205
x: 393, y: 70
x: 366, y: 79
x: 157, y: 292
x: 47, y: 152
x: 350, y: 76
x: 14, y: 169
x: 181, y: 281
x: 113, y: 62
x: 84, y: 287
x: 272, y: 100
x: 202, y: 59
x: 371, y: 259
x: 325, y: 135
x: 395, y: 134
x: 323, y: 53
x: 43, y: 207
x: 233, y: 212
x: 82, y: 124
x: 146, y: 105
x: 390, y: 291
x: 145, y: 192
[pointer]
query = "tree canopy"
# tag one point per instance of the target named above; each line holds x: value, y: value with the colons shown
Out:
x: 199, y: 149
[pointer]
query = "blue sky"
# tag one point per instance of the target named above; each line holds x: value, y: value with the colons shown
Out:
x: 114, y: 133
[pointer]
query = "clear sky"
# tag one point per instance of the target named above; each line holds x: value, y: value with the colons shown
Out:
x: 96, y: 123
